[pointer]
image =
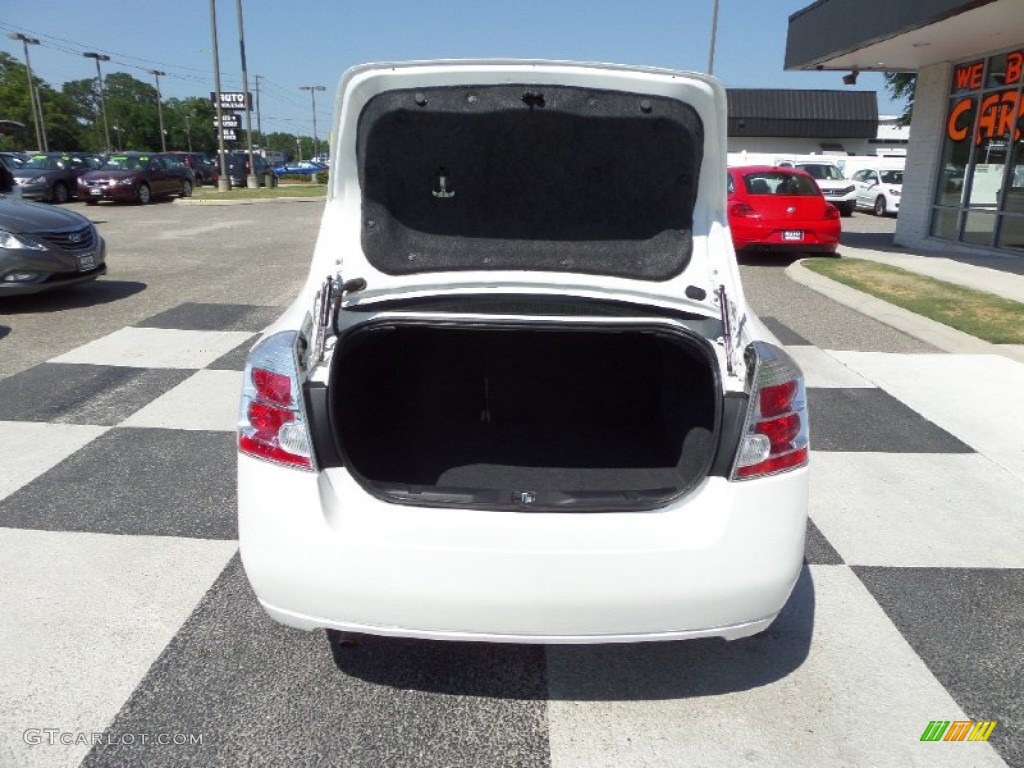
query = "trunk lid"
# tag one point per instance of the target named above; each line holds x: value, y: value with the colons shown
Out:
x: 529, y: 177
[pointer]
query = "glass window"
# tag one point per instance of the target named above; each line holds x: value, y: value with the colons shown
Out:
x: 968, y: 77
x: 1005, y: 69
x: 776, y: 183
x: 1013, y: 198
x: 1011, y: 233
x: 978, y: 227
x: 987, y: 175
x: 824, y: 171
x: 945, y: 223
x: 956, y: 152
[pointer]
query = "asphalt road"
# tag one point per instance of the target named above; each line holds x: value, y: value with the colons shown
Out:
x: 127, y: 613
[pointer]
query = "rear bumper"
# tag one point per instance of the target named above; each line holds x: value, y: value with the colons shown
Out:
x: 118, y: 192
x: 816, y: 236
x: 320, y: 552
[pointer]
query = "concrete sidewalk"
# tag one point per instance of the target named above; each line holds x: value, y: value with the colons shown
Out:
x: 1001, y: 276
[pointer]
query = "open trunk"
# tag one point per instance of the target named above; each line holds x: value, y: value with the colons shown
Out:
x: 492, y: 416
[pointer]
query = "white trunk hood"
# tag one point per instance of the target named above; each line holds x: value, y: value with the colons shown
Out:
x: 393, y: 187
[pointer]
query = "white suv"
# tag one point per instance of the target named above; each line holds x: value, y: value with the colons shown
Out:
x: 837, y: 189
x: 879, y: 190
x: 521, y: 396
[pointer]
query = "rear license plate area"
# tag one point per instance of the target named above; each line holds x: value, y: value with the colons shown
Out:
x: 792, y: 234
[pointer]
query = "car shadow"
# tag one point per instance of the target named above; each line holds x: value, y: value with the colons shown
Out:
x: 4, y: 330
x: 609, y: 672
x: 73, y: 297
x: 770, y: 258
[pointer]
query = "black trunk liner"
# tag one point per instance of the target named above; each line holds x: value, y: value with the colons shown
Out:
x: 525, y: 410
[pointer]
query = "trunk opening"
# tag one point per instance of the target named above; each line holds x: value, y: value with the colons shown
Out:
x: 530, y: 417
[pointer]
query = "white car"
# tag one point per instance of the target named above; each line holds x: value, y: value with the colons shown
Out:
x: 879, y: 189
x: 837, y: 189
x: 521, y: 397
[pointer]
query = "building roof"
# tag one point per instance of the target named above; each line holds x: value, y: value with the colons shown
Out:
x: 820, y: 114
x: 899, y: 35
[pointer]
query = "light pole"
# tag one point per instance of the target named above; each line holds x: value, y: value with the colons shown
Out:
x: 714, y: 35
x: 103, y: 98
x: 298, y: 149
x: 159, y: 110
x: 312, y: 95
x: 259, y: 123
x: 33, y: 94
x: 223, y: 181
x: 120, y: 138
x: 188, y: 128
x: 251, y: 180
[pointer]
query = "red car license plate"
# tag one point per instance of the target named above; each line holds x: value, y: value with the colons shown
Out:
x: 792, y: 234
x: 95, y: 192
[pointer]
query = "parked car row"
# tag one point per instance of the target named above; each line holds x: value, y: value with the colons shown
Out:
x: 57, y: 177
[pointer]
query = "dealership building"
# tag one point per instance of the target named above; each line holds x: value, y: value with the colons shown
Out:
x: 963, y: 187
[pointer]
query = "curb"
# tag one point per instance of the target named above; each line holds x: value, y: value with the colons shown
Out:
x: 938, y: 335
x: 246, y: 201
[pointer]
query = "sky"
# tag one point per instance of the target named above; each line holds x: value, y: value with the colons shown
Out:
x: 311, y: 42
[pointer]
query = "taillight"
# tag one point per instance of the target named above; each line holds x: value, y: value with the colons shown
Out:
x: 743, y: 211
x: 775, y: 435
x: 272, y: 418
x: 831, y: 212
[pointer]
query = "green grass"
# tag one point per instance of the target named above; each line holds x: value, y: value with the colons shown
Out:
x: 241, y: 193
x: 992, y: 318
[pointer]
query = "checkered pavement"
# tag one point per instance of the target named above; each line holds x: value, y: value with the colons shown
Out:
x: 126, y: 611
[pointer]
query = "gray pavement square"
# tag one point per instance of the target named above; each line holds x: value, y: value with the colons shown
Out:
x: 954, y: 619
x: 135, y: 481
x: 192, y: 316
x: 849, y: 419
x: 383, y: 702
x: 71, y: 393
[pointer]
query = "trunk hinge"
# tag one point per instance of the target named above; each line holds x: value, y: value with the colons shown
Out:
x: 327, y: 305
x: 725, y: 310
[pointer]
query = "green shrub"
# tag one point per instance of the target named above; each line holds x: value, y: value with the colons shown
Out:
x: 321, y: 176
x: 305, y: 177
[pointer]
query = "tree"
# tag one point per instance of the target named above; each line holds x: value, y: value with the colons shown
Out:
x: 62, y: 131
x: 901, y: 86
x: 189, y: 122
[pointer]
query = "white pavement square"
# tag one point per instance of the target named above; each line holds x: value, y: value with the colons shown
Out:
x: 918, y: 510
x: 205, y: 400
x: 977, y: 398
x: 156, y: 348
x: 861, y: 697
x: 31, y: 448
x: 85, y: 615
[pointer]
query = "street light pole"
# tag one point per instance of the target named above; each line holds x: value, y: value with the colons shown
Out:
x: 312, y: 95
x: 259, y: 123
x: 188, y: 132
x: 714, y: 35
x: 103, y: 98
x: 159, y: 109
x: 251, y: 180
x: 35, y: 103
x: 223, y: 182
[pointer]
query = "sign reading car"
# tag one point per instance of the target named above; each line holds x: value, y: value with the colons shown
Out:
x: 232, y: 100
x: 229, y: 120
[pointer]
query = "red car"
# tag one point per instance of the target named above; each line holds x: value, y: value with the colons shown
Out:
x: 136, y: 177
x: 781, y: 209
